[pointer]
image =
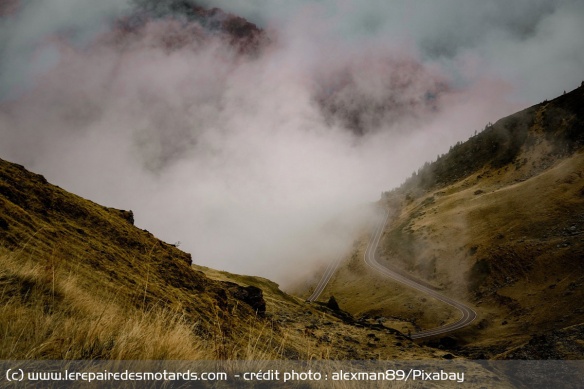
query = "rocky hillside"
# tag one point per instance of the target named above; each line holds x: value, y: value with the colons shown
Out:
x: 497, y: 222
x: 553, y: 128
x: 57, y: 246
x: 79, y: 281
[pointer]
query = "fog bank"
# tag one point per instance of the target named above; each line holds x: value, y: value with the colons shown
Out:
x: 262, y: 164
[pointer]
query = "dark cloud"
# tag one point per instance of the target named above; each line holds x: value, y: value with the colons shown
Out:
x: 259, y: 157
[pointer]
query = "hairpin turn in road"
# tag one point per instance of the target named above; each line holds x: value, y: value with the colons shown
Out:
x: 468, y: 315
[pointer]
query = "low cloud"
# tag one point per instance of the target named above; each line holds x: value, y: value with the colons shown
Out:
x: 262, y: 164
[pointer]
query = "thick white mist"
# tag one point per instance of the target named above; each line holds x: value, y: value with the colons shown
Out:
x: 232, y: 155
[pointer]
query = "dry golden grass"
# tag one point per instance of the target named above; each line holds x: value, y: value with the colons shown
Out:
x: 365, y: 293
x: 79, y: 281
x: 506, y: 237
x: 509, y: 239
x: 320, y: 334
x: 45, y: 314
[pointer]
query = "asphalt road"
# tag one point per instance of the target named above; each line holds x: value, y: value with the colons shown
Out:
x: 467, y: 314
x: 326, y: 277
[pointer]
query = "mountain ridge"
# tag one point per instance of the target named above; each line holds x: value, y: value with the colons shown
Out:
x: 80, y: 281
x: 497, y: 222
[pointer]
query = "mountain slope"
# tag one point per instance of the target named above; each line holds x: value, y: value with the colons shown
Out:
x: 196, y: 24
x: 80, y: 281
x: 66, y: 254
x: 498, y: 221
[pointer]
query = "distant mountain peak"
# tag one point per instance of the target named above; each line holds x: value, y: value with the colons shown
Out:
x: 238, y: 32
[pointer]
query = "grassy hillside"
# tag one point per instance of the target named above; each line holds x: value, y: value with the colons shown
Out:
x: 502, y: 228
x: 80, y: 281
x: 553, y: 129
x: 499, y: 222
x: 373, y: 298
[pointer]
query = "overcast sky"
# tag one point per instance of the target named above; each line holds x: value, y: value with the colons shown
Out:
x: 261, y: 165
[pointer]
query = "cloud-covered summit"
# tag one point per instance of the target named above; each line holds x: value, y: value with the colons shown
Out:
x: 259, y: 163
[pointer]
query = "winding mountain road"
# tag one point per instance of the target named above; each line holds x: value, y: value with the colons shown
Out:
x: 467, y: 314
x: 326, y: 277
